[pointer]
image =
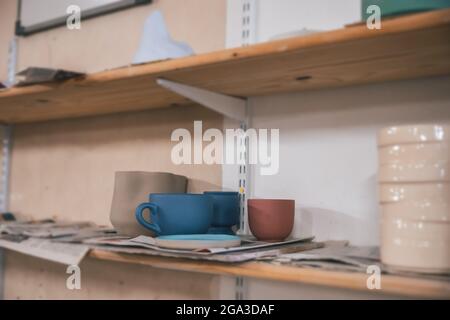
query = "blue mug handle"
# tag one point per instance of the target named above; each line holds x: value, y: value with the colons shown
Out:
x: 153, y: 215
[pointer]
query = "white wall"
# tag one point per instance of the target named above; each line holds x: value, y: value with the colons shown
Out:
x: 328, y: 154
x: 327, y: 138
x: 278, y: 17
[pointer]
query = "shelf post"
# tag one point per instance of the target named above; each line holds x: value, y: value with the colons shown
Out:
x: 6, y: 139
x: 4, y: 190
x: 244, y: 171
x: 248, y: 36
x: 237, y: 109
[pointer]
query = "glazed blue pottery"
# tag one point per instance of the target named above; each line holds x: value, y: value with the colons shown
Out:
x: 226, y: 211
x: 177, y: 213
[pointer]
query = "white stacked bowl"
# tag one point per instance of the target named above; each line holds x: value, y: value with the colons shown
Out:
x: 414, y: 194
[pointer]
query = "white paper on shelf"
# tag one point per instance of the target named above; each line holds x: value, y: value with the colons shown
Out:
x: 68, y: 254
x: 336, y: 255
x: 249, y: 251
x: 144, y: 240
x: 44, y: 229
x: 232, y: 257
x: 125, y: 243
x: 246, y: 245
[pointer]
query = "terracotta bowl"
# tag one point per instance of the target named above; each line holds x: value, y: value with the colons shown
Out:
x: 271, y: 219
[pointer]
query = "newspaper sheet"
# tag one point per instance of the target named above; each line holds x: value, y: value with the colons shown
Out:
x: 68, y: 254
x: 339, y: 256
x: 229, y: 257
x: 45, y: 228
x: 69, y: 242
x: 248, y: 251
x: 34, y: 238
x: 336, y: 255
x: 247, y: 244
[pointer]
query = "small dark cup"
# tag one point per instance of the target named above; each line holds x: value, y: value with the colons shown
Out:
x: 226, y: 211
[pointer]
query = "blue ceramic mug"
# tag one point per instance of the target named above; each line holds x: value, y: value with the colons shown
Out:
x: 177, y: 213
x: 226, y: 211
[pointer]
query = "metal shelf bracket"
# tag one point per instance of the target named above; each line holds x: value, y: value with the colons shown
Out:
x: 229, y: 106
x: 5, y: 141
x: 237, y: 109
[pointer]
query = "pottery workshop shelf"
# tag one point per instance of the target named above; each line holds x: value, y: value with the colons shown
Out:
x: 407, y: 47
x: 390, y: 284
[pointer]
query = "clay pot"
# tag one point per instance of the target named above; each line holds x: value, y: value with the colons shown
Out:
x: 132, y: 188
x: 271, y: 220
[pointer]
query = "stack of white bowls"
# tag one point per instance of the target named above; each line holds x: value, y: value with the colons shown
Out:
x: 414, y: 192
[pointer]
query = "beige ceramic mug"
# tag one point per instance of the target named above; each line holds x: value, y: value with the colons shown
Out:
x: 420, y: 133
x: 132, y: 188
x: 414, y: 172
x: 418, y: 201
x: 424, y: 153
x: 412, y: 245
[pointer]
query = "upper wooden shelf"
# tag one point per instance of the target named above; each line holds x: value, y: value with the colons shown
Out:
x: 390, y: 284
x: 407, y: 47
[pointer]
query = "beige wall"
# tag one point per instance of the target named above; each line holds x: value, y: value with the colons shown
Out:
x: 7, y: 21
x: 30, y: 278
x: 65, y: 169
x: 111, y: 40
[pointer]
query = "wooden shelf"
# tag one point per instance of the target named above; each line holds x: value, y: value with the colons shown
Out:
x: 393, y: 285
x: 405, y: 48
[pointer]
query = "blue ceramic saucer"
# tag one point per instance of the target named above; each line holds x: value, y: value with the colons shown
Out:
x: 198, y: 241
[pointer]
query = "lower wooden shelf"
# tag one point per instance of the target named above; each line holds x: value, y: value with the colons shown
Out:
x: 390, y: 284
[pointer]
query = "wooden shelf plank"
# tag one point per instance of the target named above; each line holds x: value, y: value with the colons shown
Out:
x: 407, y: 47
x: 393, y: 285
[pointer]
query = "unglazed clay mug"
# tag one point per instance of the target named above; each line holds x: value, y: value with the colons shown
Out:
x: 226, y: 211
x: 174, y: 214
x: 132, y: 188
x: 271, y: 220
